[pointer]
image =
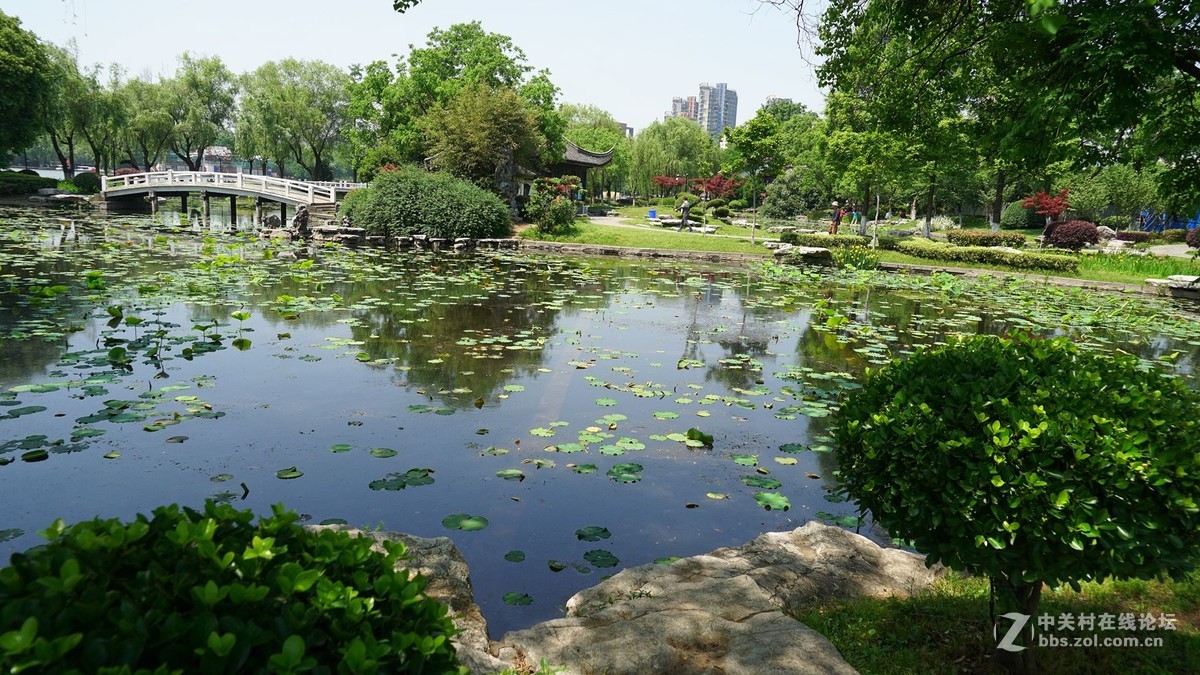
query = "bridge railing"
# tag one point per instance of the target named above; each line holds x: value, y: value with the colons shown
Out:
x: 267, y: 186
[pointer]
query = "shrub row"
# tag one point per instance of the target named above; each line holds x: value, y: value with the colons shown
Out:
x: 985, y: 238
x: 923, y: 248
x: 409, y: 200
x: 823, y: 240
x: 14, y: 183
x: 1072, y: 234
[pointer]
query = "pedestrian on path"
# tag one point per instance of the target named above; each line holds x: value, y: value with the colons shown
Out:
x: 836, y: 218
x: 684, y: 208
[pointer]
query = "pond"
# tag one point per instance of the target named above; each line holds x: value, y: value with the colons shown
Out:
x: 569, y: 416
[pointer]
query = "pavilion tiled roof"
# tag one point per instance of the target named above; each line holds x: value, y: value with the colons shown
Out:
x: 579, y: 156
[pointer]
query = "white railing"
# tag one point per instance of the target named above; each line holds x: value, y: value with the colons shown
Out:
x: 339, y: 185
x: 291, y: 190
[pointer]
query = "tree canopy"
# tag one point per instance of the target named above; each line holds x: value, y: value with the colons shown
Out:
x: 24, y: 85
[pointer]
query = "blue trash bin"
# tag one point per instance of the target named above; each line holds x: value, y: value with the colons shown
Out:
x: 653, y: 214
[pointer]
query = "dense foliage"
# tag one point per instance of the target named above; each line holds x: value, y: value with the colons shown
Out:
x: 24, y: 65
x: 1193, y: 238
x: 1036, y: 462
x: 1017, y: 217
x: 1073, y: 234
x: 14, y: 183
x: 409, y: 200
x: 985, y: 238
x: 551, y: 206
x: 923, y: 248
x: 823, y: 240
x: 87, y: 182
x: 210, y: 591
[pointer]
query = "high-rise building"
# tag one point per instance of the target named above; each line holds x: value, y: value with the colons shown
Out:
x: 718, y: 108
x: 626, y: 129
x: 772, y: 99
x: 683, y: 107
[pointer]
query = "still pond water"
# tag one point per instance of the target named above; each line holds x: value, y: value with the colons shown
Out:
x: 144, y: 363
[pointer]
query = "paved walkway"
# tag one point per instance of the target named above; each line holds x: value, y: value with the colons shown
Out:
x: 615, y: 221
x: 1174, y: 250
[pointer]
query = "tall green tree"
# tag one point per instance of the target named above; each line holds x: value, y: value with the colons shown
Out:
x: 24, y: 85
x: 147, y: 133
x: 595, y: 129
x: 674, y: 147
x: 300, y: 106
x: 102, y: 116
x: 200, y: 101
x: 61, y: 108
x: 483, y: 135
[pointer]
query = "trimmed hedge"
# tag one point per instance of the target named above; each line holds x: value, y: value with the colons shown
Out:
x: 16, y: 183
x: 923, y: 248
x: 1176, y: 235
x: 985, y: 238
x: 410, y: 201
x: 823, y: 240
x: 212, y: 592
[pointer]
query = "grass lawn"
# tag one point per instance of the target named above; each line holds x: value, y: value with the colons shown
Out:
x: 648, y: 237
x: 947, y: 629
x: 1093, y: 267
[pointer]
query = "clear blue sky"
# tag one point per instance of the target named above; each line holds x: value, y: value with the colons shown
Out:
x: 626, y: 56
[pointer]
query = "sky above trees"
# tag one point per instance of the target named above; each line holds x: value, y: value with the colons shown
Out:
x: 624, y: 56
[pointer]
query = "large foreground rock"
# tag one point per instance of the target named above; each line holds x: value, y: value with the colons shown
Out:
x: 719, y: 612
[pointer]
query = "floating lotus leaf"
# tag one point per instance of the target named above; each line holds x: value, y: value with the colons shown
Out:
x: 772, y: 501
x: 6, y: 535
x: 556, y: 565
x: 630, y: 444
x: 26, y: 410
x: 605, y: 401
x: 112, y: 455
x: 464, y: 522
x: 792, y: 447
x: 611, y: 450
x: 677, y: 437
x: 221, y: 477
x: 289, y: 473
x: 511, y: 474
x: 513, y: 387
x: 383, y: 453
x: 761, y: 482
x: 398, y: 481
x: 601, y: 558
x: 340, y: 447
x: 786, y: 461
x: 694, y: 434
x: 494, y: 451
x: 515, y: 598
x: 86, y: 432
x: 716, y: 495
x: 592, y: 533
x: 540, y: 463
x: 745, y: 460
x: 583, y: 468
x: 665, y: 415
x: 542, y: 431
x: 515, y: 556
x: 626, y: 473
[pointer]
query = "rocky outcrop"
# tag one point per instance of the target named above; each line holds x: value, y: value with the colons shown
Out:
x: 720, y: 612
x: 803, y: 254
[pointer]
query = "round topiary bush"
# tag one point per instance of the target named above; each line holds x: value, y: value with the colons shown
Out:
x: 88, y: 182
x: 1117, y: 223
x: 1073, y: 234
x: 1193, y: 238
x: 212, y: 592
x: 721, y: 212
x: 410, y: 200
x: 1032, y: 461
x: 716, y: 203
x: 1017, y: 217
x: 738, y: 204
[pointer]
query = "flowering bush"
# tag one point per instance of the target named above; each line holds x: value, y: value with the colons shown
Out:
x: 550, y: 206
x: 1193, y: 238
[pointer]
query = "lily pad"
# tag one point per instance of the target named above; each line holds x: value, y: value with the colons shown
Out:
x: 6, y: 535
x: 601, y: 558
x: 511, y: 474
x: 716, y: 495
x: 221, y: 477
x: 772, y: 501
x: 792, y: 448
x: 515, y: 556
x: 383, y: 453
x: 745, y: 460
x: 626, y: 473
x: 606, y: 402
x: 592, y: 533
x: 35, y: 456
x: 515, y: 598
x: 786, y: 461
x: 583, y: 468
x: 694, y: 434
x: 26, y: 410
x: 340, y: 447
x: 464, y: 522
x: 399, y: 481
x: 665, y: 415
x: 761, y: 482
x: 289, y: 473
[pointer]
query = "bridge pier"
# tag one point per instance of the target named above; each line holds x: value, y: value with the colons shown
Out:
x: 283, y: 214
x: 153, y: 203
x: 183, y: 203
x: 233, y: 209
x: 258, y: 204
x: 207, y: 208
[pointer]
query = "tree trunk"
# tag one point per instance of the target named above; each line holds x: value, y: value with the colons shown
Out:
x: 998, y: 204
x: 1028, y: 597
x: 929, y: 204
x: 912, y: 209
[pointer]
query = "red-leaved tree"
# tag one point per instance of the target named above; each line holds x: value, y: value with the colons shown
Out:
x: 718, y: 185
x: 667, y: 182
x: 1045, y: 205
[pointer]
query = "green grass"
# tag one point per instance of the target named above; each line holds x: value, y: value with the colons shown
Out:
x: 947, y: 629
x: 648, y: 237
x: 1093, y: 267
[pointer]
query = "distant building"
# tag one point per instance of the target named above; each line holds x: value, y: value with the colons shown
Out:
x: 772, y: 99
x: 718, y: 108
x: 626, y: 129
x: 684, y: 107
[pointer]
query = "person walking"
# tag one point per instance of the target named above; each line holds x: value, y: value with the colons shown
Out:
x: 683, y: 210
x: 836, y: 218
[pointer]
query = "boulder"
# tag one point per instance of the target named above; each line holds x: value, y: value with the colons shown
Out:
x: 272, y: 222
x: 1106, y: 232
x: 720, y: 612
x: 49, y: 192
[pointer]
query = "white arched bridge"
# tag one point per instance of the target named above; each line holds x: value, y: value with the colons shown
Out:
x: 314, y: 195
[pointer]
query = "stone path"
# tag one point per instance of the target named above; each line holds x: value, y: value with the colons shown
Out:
x: 1173, y: 250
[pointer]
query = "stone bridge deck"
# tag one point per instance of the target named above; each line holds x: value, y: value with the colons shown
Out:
x: 282, y: 190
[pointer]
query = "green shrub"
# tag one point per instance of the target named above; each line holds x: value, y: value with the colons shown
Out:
x: 212, y: 592
x: 28, y: 172
x: 739, y: 204
x: 1017, y: 217
x: 888, y: 242
x: 1175, y: 236
x: 409, y: 200
x: 353, y: 204
x: 87, y: 182
x: 985, y: 238
x: 1117, y: 223
x: 1032, y: 462
x: 550, y: 206
x: 15, y: 183
x: 721, y: 212
x: 823, y: 240
x: 1135, y: 237
x: 717, y: 203
x: 1073, y: 234
x: 695, y: 202
x: 923, y: 248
